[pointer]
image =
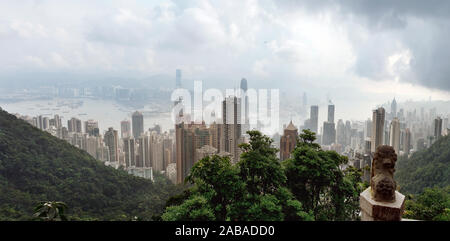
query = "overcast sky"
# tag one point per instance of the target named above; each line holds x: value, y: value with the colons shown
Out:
x: 358, y: 52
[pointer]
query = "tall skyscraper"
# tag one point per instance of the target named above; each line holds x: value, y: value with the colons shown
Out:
x: 368, y: 129
x: 231, y: 114
x: 394, y: 108
x: 314, y: 118
x: 378, y: 117
x: 125, y: 129
x: 111, y: 139
x: 288, y: 141
x: 340, y: 132
x: 178, y: 78
x: 129, y: 149
x: 437, y: 128
x: 246, y: 124
x: 329, y: 133
x: 331, y: 113
x: 407, y: 141
x: 189, y: 138
x: 394, y: 135
x: 137, y: 120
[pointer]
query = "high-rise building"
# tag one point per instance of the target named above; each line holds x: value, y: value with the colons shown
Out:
x: 437, y: 128
x: 129, y: 149
x: 368, y: 129
x: 394, y: 108
x: 378, y: 118
x: 329, y: 133
x: 314, y: 118
x: 111, y: 140
x: 231, y: 136
x: 340, y: 132
x: 407, y: 141
x: 394, y: 135
x: 246, y: 124
x: 288, y: 141
x: 91, y: 128
x: 137, y: 120
x: 157, y: 152
x: 178, y: 78
x: 185, y: 149
x: 331, y: 113
x: 74, y: 125
x: 125, y: 129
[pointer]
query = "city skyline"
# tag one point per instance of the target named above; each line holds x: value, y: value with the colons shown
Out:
x: 299, y: 46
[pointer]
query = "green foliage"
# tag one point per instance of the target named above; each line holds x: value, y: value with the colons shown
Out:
x: 51, y: 211
x: 252, y: 190
x: 432, y: 205
x: 196, y: 208
x: 259, y: 166
x: 425, y: 169
x: 315, y: 178
x: 35, y: 166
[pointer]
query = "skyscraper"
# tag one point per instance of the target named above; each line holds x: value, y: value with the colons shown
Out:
x: 407, y: 141
x: 125, y: 129
x: 129, y: 150
x: 189, y: 138
x: 331, y: 113
x: 378, y: 117
x: 329, y: 133
x: 232, y: 126
x: 137, y: 124
x: 314, y: 118
x: 394, y: 108
x: 178, y: 78
x: 437, y: 128
x: 246, y: 124
x: 288, y: 141
x: 91, y: 128
x: 394, y: 135
x: 111, y: 140
x: 74, y: 125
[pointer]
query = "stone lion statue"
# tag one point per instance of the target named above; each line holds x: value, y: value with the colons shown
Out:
x: 382, y: 181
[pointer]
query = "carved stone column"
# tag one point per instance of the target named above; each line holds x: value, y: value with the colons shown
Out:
x: 381, y: 201
x: 372, y: 210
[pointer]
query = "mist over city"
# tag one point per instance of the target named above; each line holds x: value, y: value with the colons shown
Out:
x: 200, y: 110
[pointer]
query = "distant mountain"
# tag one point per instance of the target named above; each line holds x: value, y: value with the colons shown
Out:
x: 426, y: 168
x: 35, y: 166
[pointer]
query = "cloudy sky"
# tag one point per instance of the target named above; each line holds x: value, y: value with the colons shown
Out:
x: 361, y: 52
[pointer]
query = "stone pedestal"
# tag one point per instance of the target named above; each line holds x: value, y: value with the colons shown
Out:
x: 372, y: 210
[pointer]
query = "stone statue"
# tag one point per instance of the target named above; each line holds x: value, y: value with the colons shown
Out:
x: 382, y: 177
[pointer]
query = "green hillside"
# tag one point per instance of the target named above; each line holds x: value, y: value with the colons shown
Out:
x: 35, y: 166
x: 425, y: 169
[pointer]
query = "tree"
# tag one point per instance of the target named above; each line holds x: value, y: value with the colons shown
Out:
x: 432, y: 205
x: 315, y: 178
x: 196, y: 208
x: 51, y: 211
x: 218, y: 180
x: 252, y: 190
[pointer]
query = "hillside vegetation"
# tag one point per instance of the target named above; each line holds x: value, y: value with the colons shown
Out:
x: 425, y: 169
x: 35, y: 167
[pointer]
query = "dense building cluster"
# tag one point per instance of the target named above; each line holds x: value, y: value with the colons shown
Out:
x: 406, y: 131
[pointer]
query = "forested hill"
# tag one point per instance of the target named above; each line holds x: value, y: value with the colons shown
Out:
x: 427, y: 168
x: 35, y: 166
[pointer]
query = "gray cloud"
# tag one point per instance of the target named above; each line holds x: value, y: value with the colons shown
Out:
x: 421, y: 27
